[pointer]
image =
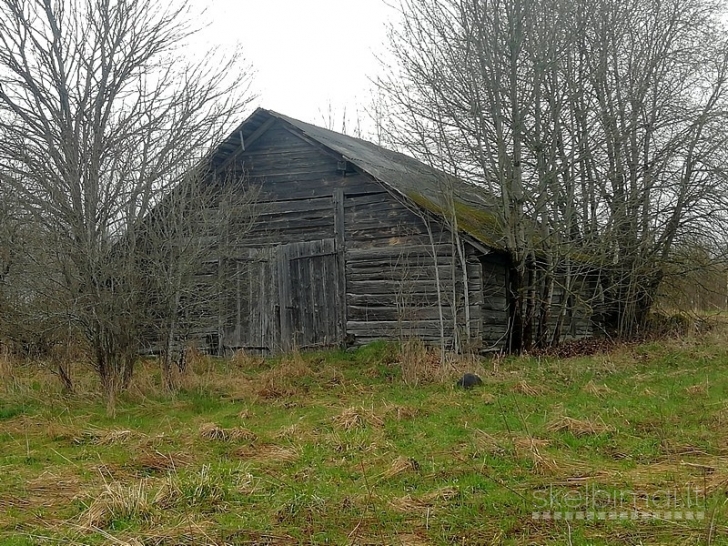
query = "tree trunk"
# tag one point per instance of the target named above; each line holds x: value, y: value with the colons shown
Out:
x: 515, y: 308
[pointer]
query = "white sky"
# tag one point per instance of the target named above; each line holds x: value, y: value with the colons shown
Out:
x: 310, y: 56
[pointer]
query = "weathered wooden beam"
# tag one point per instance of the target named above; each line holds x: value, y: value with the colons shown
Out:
x: 251, y: 139
x: 340, y: 239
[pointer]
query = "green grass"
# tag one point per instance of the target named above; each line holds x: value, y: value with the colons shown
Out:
x: 334, y: 448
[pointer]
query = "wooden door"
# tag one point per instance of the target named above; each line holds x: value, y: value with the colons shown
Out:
x: 309, y: 294
x: 285, y: 297
x: 252, y: 310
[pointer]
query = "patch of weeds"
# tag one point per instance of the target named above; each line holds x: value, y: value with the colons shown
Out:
x: 203, y: 402
x: 208, y: 490
x: 335, y: 447
x: 301, y: 508
x: 211, y: 431
x: 8, y: 412
x: 118, y: 504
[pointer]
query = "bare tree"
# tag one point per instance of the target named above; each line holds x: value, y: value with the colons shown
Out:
x: 595, y: 124
x: 185, y: 247
x: 101, y: 114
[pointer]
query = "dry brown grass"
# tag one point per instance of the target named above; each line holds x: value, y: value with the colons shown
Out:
x: 701, y: 389
x: 211, y: 431
x: 420, y: 364
x: 526, y: 389
x: 578, y: 427
x: 600, y: 391
x: 488, y: 443
x: 408, y: 503
x: 676, y: 473
x: 529, y: 448
x: 169, y: 494
x: 198, y: 362
x: 717, y: 482
x: 285, y: 379
x: 158, y: 462
x: 402, y: 413
x: 360, y: 417
x: 246, y: 361
x: 406, y: 539
x: 118, y: 501
x: 107, y: 437
x: 270, y: 453
x: 400, y: 465
x: 7, y: 502
x: 53, y: 488
x: 527, y: 443
x: 291, y: 432
x: 115, y: 437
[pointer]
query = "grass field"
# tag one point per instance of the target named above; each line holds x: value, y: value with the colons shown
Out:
x: 337, y: 448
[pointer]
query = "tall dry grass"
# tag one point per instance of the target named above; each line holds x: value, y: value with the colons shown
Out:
x: 6, y: 367
x: 422, y: 364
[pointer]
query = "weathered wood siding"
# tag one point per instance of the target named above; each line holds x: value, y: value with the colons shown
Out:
x: 495, y: 302
x: 333, y: 252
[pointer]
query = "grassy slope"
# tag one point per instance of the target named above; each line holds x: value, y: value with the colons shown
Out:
x: 335, y: 448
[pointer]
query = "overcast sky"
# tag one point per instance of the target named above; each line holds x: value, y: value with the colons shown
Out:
x: 308, y: 54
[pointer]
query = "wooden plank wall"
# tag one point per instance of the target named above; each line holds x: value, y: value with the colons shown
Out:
x: 495, y: 302
x: 393, y: 267
x: 390, y: 256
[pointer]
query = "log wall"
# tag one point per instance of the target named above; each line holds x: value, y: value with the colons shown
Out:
x: 381, y: 277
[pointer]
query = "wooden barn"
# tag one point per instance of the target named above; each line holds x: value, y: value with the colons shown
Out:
x: 352, y: 243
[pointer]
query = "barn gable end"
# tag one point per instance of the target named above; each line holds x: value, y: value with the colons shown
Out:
x: 336, y: 254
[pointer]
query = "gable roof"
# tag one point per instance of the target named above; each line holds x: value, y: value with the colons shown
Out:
x: 417, y: 182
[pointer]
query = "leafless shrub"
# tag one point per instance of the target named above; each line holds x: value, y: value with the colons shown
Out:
x: 126, y: 135
x: 6, y: 366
